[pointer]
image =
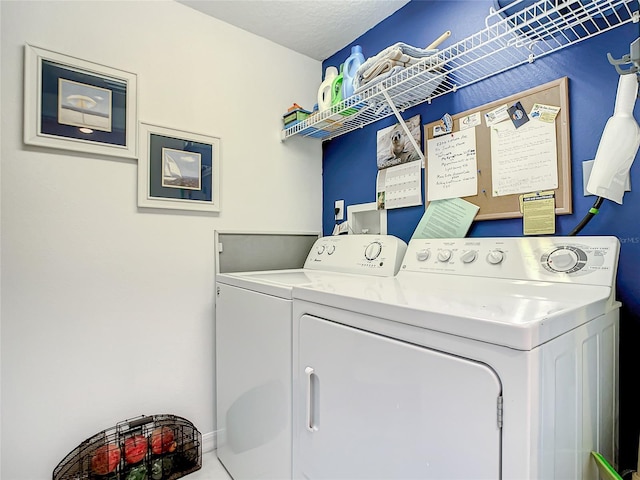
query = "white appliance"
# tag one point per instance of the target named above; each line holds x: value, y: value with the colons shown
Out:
x: 484, y: 358
x: 254, y: 351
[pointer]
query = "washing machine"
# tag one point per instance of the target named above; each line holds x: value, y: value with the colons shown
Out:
x: 254, y: 349
x: 484, y: 358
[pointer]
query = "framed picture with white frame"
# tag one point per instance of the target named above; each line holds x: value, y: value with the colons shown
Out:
x: 78, y: 105
x: 178, y: 170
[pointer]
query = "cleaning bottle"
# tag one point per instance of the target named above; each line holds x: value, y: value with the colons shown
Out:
x: 351, y: 65
x: 324, y: 92
x: 336, y: 87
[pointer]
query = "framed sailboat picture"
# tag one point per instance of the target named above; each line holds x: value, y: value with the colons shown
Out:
x: 74, y: 104
x: 178, y: 170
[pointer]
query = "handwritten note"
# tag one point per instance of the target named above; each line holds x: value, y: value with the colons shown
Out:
x: 452, y: 166
x: 524, y: 159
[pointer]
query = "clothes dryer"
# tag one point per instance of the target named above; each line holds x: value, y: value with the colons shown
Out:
x: 484, y: 358
x: 254, y: 351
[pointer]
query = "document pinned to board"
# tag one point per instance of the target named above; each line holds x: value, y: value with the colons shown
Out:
x: 523, y: 159
x: 452, y: 166
x: 448, y: 218
x: 538, y: 213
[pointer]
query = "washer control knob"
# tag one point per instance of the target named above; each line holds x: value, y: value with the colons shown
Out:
x: 423, y: 254
x: 320, y: 249
x: 373, y: 250
x: 444, y: 255
x: 495, y: 257
x: 331, y: 249
x: 469, y: 256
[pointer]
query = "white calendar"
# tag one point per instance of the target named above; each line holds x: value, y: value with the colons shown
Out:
x: 399, y: 186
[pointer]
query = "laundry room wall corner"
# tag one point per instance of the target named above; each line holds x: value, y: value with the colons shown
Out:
x: 107, y: 308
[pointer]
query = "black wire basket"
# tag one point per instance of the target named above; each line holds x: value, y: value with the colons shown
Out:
x: 158, y: 447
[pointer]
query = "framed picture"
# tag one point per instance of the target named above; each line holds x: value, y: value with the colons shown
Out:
x: 178, y: 170
x: 78, y: 105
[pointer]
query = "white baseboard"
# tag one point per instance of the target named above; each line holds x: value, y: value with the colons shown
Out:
x: 208, y: 442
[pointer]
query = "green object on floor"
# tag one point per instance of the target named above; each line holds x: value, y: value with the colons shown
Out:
x: 607, y: 472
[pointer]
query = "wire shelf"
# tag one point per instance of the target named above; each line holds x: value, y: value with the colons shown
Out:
x: 507, y: 41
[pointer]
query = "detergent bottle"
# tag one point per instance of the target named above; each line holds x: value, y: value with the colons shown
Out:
x: 336, y: 87
x: 324, y: 92
x: 351, y: 65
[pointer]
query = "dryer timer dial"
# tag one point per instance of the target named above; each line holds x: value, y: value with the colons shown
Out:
x: 564, y: 259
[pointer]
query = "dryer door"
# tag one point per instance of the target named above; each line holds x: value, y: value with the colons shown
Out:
x: 373, y: 407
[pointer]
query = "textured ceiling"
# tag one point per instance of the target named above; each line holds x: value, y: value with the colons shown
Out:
x: 316, y: 28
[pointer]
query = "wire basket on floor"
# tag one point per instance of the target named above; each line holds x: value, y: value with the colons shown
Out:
x: 158, y: 447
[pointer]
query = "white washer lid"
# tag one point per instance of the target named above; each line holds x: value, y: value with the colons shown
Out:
x: 280, y: 283
x: 513, y: 313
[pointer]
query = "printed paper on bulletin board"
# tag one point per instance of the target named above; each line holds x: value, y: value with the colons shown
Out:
x: 508, y: 206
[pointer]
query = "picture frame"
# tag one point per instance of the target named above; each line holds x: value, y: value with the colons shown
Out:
x: 78, y: 105
x: 178, y: 170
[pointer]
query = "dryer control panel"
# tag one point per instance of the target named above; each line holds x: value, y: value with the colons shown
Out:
x: 583, y: 260
x: 379, y: 255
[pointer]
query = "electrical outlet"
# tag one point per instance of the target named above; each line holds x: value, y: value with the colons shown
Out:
x: 339, y: 209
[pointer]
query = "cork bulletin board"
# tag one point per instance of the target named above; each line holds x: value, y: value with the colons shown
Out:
x: 492, y: 207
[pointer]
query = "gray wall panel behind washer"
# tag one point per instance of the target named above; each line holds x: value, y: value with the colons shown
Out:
x: 245, y: 252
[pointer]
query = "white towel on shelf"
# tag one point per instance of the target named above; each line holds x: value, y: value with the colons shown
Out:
x: 379, y: 68
x: 389, y: 61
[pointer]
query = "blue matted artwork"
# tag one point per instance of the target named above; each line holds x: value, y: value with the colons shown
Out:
x: 156, y: 189
x: 53, y: 83
x: 180, y: 170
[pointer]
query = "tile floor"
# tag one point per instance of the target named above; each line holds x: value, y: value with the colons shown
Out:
x: 211, y: 469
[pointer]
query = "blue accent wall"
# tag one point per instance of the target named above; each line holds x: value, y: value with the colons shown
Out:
x: 349, y: 161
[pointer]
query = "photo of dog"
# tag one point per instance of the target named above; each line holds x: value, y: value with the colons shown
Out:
x: 393, y: 145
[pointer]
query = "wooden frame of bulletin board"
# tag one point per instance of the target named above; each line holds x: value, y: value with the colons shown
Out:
x: 554, y: 93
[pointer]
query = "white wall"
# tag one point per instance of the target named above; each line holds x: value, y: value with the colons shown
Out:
x: 107, y: 309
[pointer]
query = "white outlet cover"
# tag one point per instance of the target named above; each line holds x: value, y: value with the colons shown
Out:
x: 340, y: 205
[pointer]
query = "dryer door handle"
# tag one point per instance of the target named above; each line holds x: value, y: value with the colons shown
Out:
x: 312, y: 400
